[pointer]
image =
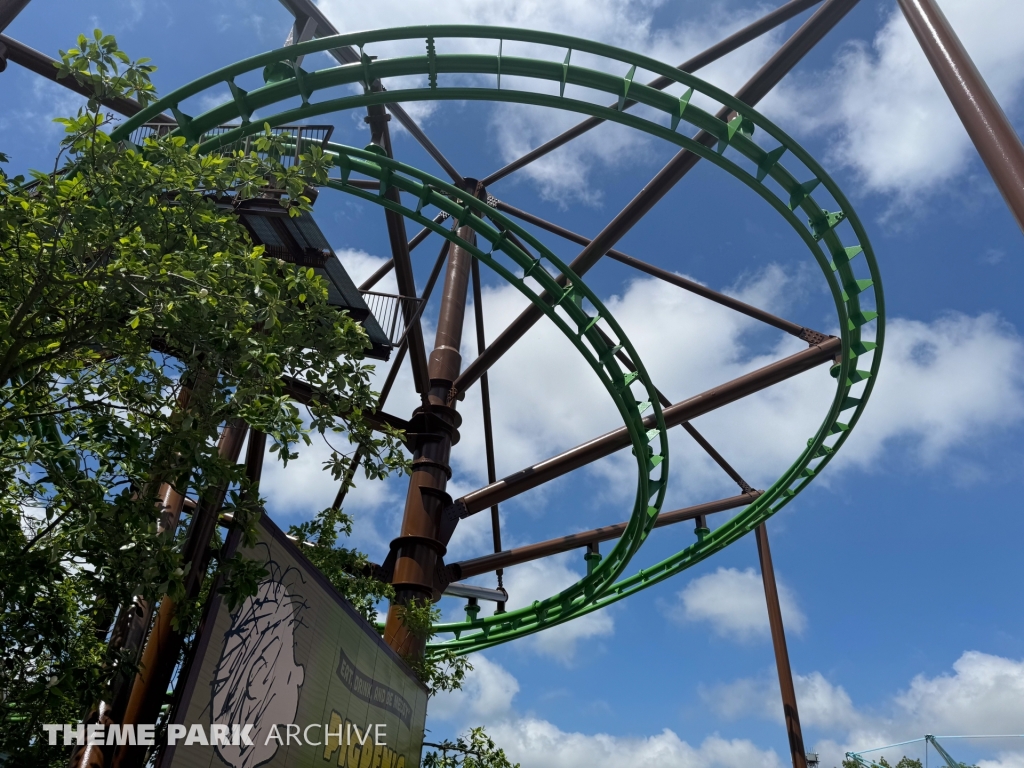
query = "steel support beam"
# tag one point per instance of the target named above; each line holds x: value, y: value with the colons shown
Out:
x: 160, y: 655
x: 986, y: 123
x: 44, y: 66
x: 771, y: 594
x: 389, y: 382
x: 485, y: 400
x: 765, y: 24
x: 755, y: 89
x: 469, y: 568
x: 347, y: 55
x: 670, y: 277
x: 683, y: 411
x: 388, y: 265
x: 472, y: 591
x: 418, y: 551
x: 400, y: 255
x: 9, y: 9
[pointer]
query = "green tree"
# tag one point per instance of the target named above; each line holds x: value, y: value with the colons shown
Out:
x: 474, y: 749
x: 137, y: 319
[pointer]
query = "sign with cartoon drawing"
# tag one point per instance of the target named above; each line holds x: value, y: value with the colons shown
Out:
x: 295, y: 678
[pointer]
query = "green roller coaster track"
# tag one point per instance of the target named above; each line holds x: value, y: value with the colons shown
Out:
x: 575, y: 309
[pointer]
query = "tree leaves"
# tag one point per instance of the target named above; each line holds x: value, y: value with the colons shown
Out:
x: 137, y: 319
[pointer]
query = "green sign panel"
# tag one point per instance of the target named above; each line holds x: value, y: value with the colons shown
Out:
x: 295, y: 678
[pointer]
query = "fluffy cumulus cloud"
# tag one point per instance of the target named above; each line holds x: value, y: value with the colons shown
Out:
x: 943, y: 384
x: 486, y: 695
x: 732, y: 602
x: 542, y: 744
x: 897, y: 127
x: 540, y: 579
x: 488, y: 698
x: 981, y: 694
x: 822, y: 703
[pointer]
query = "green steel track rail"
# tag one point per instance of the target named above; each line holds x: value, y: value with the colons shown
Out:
x: 825, y: 222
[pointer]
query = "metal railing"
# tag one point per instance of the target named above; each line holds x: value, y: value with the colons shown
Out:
x: 394, y: 314
x: 304, y: 136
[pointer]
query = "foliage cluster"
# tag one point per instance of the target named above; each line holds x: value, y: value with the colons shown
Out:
x: 440, y: 670
x: 473, y: 750
x: 137, y: 319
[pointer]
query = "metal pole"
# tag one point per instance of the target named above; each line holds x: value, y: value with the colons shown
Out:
x: 771, y: 595
x: 396, y: 366
x: 418, y: 551
x: 993, y: 136
x: 380, y: 136
x: 9, y: 9
x: 306, y: 9
x: 469, y: 568
x: 134, y: 622
x: 670, y: 277
x: 683, y: 411
x: 163, y: 645
x: 44, y: 66
x: 485, y: 400
x: 388, y: 265
x: 787, y: 57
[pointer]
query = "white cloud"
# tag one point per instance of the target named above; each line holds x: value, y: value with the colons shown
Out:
x: 539, y: 743
x: 897, y: 128
x: 487, y: 699
x: 984, y: 694
x: 486, y: 695
x: 733, y: 603
x: 360, y: 265
x: 540, y: 579
x: 942, y: 384
x: 821, y: 703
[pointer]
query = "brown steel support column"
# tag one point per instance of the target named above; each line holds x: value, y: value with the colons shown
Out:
x: 163, y: 645
x: 9, y: 9
x: 396, y: 366
x: 418, y: 551
x: 993, y: 136
x: 379, y: 135
x: 771, y: 595
x: 134, y: 622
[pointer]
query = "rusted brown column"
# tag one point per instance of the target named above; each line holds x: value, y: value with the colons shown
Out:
x: 993, y: 136
x: 771, y: 595
x: 163, y: 645
x: 135, y: 619
x: 418, y: 551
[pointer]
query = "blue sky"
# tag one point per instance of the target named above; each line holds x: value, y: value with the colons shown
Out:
x: 900, y: 567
